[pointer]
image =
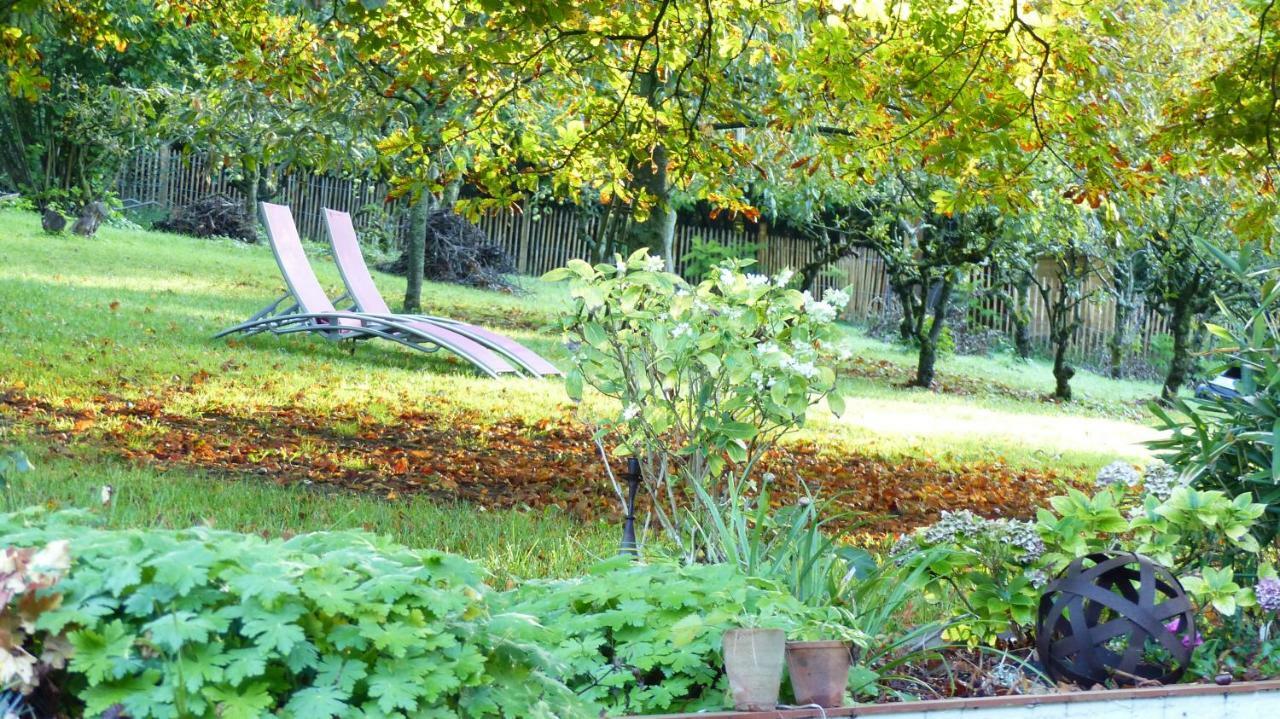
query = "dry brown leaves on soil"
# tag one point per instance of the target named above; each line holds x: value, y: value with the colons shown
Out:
x: 503, y: 463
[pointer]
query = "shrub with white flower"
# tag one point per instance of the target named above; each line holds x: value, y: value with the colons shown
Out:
x: 993, y: 563
x: 1015, y: 538
x: 709, y: 376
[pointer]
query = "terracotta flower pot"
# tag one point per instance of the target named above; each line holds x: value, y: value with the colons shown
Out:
x: 753, y: 659
x: 819, y: 672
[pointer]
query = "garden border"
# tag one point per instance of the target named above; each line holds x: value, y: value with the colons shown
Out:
x: 1027, y: 701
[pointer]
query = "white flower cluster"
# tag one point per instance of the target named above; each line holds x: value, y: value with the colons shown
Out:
x: 805, y: 369
x: 828, y: 308
x: 1118, y: 473
x: 1022, y: 535
x: 1159, y: 480
x: 956, y: 527
x: 651, y: 263
x: 802, y: 359
x: 754, y: 281
x: 953, y: 526
x: 783, y: 278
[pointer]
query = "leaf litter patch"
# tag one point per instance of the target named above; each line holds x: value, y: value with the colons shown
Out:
x: 502, y: 463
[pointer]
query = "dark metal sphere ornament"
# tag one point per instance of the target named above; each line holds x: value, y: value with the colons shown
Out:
x: 1115, y: 617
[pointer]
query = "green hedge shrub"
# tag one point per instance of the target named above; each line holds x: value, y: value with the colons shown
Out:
x: 638, y: 639
x: 203, y: 623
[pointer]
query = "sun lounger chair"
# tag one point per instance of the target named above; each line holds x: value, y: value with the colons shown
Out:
x: 306, y: 308
x: 365, y: 298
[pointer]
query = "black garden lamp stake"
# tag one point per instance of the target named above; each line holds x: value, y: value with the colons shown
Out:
x: 632, y: 476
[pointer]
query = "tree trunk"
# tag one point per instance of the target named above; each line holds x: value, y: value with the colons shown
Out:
x: 417, y: 252
x: 1180, y: 327
x: 821, y: 257
x: 907, y: 327
x: 657, y: 232
x: 449, y: 197
x: 1022, y: 319
x: 1118, y: 342
x: 928, y: 356
x: 926, y: 359
x: 1062, y: 372
x: 668, y: 237
x: 809, y: 275
x: 252, y: 173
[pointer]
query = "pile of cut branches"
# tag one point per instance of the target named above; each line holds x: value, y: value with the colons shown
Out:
x: 460, y: 253
x: 213, y: 216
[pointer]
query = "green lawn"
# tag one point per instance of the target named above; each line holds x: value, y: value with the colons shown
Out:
x: 128, y: 316
x: 512, y: 545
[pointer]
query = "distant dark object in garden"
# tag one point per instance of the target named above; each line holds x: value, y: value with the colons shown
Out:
x: 1224, y: 385
x: 632, y: 476
x: 53, y: 221
x: 91, y: 217
x: 1115, y: 617
x: 213, y: 216
x: 460, y: 253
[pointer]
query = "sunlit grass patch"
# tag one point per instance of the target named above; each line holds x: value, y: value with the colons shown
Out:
x: 511, y: 544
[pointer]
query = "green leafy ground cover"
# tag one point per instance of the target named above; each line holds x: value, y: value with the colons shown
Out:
x: 208, y: 623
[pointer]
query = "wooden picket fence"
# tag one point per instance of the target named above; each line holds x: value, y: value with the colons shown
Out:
x: 165, y: 179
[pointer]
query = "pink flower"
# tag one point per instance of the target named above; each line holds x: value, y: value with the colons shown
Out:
x: 1190, y: 642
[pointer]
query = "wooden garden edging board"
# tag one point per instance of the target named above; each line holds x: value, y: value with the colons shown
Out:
x: 1243, y: 700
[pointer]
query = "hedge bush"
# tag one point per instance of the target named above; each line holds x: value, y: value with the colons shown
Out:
x: 204, y: 623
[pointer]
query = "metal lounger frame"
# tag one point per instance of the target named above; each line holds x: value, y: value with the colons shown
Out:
x: 381, y: 326
x: 292, y: 319
x: 491, y: 340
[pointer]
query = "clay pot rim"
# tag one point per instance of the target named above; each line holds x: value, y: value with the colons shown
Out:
x: 820, y: 644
